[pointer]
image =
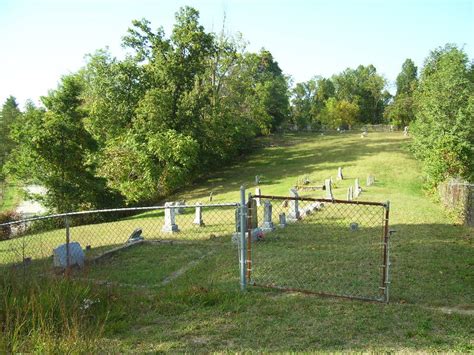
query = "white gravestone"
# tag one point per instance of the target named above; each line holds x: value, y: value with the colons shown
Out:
x: 349, y: 194
x: 370, y: 180
x: 198, y: 215
x: 170, y: 225
x: 328, y: 186
x: 405, y: 131
x: 357, y: 189
x: 258, y: 192
x: 339, y: 174
x: 267, y: 217
x: 257, y: 179
x: 76, y: 255
x: 294, y: 214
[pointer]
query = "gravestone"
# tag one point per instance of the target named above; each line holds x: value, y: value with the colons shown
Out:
x: 76, y: 255
x: 357, y: 188
x: 198, y: 215
x: 257, y: 179
x: 210, y: 196
x: 294, y: 214
x: 282, y: 220
x: 258, y: 192
x: 170, y: 225
x: 134, y: 237
x: 364, y: 134
x: 328, y: 186
x: 180, y: 209
x: 405, y: 131
x: 339, y: 174
x: 350, y: 195
x: 370, y: 180
x: 267, y: 217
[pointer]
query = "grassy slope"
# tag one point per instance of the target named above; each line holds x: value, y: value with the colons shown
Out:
x: 203, y: 310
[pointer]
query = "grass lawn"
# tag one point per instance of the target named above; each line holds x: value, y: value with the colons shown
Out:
x: 177, y: 297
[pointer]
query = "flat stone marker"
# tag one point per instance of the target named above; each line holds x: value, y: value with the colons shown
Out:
x: 258, y: 192
x: 198, y: 215
x: 170, y: 225
x: 357, y: 189
x: 328, y: 186
x: 294, y: 214
x: 267, y: 217
x: 339, y: 174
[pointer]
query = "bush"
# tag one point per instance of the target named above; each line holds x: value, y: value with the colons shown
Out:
x: 8, y: 216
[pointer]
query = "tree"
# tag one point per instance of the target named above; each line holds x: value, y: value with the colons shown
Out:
x: 401, y: 111
x: 54, y: 150
x: 364, y: 87
x: 443, y: 130
x: 8, y: 116
x: 339, y: 113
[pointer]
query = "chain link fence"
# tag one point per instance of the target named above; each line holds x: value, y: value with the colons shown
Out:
x: 329, y: 247
x: 459, y: 197
x: 60, y: 242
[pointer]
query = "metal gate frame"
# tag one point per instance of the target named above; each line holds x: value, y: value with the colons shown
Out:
x: 385, y: 267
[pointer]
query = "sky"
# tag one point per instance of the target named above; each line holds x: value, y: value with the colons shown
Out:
x: 41, y: 40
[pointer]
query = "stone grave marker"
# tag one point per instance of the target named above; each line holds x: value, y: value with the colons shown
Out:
x: 294, y: 214
x: 258, y: 192
x: 267, y: 217
x: 170, y: 225
x: 328, y: 186
x: 282, y: 220
x: 339, y: 174
x: 350, y: 195
x: 357, y: 189
x: 198, y: 215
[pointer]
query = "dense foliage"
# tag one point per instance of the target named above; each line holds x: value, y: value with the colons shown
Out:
x: 133, y: 130
x: 357, y: 93
x: 443, y: 131
x: 401, y: 111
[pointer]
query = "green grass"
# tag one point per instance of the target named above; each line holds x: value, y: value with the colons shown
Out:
x: 201, y: 308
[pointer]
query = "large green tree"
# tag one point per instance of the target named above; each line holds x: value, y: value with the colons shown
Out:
x: 443, y: 131
x: 400, y: 112
x: 55, y: 151
x: 9, y: 114
x: 364, y: 87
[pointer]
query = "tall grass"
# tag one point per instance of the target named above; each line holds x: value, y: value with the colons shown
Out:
x: 51, y: 315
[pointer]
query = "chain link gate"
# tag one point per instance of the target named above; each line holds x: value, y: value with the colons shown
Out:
x: 327, y: 247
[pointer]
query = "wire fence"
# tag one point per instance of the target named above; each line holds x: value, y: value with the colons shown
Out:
x: 63, y: 241
x: 329, y: 247
x: 459, y: 197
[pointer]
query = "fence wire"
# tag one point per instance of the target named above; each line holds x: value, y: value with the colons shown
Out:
x: 323, y: 246
x: 58, y: 242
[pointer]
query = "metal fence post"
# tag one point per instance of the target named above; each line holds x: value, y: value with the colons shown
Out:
x: 66, y: 223
x: 243, y: 229
x: 386, y: 261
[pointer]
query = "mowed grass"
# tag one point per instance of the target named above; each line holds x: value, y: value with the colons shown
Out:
x: 176, y: 297
x: 10, y: 195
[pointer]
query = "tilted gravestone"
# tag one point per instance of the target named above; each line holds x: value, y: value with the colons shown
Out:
x: 170, y: 225
x: 328, y: 186
x: 294, y: 213
x: 198, y: 215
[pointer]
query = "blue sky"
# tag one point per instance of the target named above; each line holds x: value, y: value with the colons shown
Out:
x: 40, y: 40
